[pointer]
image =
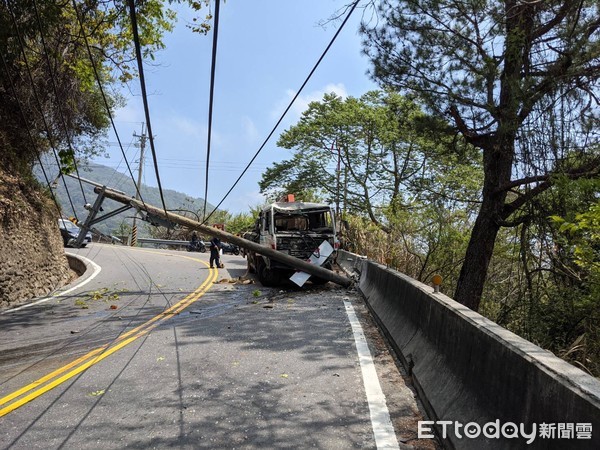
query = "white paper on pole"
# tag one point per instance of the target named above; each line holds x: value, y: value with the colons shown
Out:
x: 318, y: 258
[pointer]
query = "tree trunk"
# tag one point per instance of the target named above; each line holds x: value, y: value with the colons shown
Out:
x: 477, y: 259
x: 497, y: 172
x: 498, y: 154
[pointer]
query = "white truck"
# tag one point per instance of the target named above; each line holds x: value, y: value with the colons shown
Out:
x: 296, y: 228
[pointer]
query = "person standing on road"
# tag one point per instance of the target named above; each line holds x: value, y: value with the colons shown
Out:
x: 215, y: 247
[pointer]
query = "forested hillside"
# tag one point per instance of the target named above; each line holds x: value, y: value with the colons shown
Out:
x: 117, y: 180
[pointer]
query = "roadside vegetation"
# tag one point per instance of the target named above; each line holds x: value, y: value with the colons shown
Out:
x: 478, y: 160
x: 60, y: 64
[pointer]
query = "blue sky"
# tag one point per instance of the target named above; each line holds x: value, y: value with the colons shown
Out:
x: 266, y: 50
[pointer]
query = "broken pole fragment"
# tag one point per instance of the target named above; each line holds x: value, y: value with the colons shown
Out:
x: 223, y: 235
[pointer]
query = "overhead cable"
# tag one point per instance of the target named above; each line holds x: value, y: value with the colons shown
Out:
x: 39, y: 104
x: 354, y: 5
x: 57, y: 97
x: 97, y: 76
x: 210, y: 102
x: 108, y: 183
x: 138, y: 53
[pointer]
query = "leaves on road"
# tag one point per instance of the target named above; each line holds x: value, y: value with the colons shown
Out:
x: 81, y: 303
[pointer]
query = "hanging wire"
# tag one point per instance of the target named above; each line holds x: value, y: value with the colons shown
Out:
x: 118, y: 166
x: 97, y: 76
x: 138, y: 53
x: 210, y: 103
x: 107, y: 321
x: 39, y: 104
x: 56, y: 96
x: 33, y: 144
x: 354, y: 5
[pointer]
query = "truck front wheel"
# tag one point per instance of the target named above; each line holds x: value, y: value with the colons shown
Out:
x: 268, y: 277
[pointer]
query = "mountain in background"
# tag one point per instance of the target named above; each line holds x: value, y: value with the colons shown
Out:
x: 119, y: 181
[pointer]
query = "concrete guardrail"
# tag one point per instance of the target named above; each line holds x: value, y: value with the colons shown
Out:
x: 468, y: 369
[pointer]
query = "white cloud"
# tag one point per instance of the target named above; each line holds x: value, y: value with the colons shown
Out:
x: 250, y: 131
x: 242, y: 202
x: 186, y: 127
x: 301, y: 103
x: 187, y: 131
x: 130, y: 113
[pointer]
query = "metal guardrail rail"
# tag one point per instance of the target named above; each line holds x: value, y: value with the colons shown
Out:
x: 163, y: 242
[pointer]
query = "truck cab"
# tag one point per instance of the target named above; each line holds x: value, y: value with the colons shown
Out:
x: 294, y: 228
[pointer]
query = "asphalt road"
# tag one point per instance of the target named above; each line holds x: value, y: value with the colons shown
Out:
x: 158, y: 351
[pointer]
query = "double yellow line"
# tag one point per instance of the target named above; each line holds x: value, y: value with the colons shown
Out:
x: 56, y: 378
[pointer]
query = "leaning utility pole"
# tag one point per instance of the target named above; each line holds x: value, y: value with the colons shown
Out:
x: 159, y: 216
x: 142, y: 139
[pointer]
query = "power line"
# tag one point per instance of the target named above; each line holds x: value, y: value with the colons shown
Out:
x: 210, y: 102
x: 39, y: 103
x: 187, y: 162
x: 138, y: 53
x: 354, y: 5
x: 56, y: 96
x: 120, y: 162
x: 97, y: 76
x: 183, y: 166
x: 191, y: 166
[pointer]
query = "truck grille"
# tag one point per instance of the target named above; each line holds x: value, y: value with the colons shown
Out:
x: 297, y: 247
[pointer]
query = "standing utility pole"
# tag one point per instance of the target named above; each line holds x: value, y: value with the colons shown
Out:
x: 337, y: 182
x: 142, y: 139
x: 335, y: 148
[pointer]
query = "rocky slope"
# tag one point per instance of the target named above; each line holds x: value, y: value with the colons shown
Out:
x: 32, y: 258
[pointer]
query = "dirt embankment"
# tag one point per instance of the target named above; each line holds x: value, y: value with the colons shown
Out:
x: 32, y: 258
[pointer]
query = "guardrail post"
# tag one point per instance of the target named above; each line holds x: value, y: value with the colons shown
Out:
x: 134, y: 236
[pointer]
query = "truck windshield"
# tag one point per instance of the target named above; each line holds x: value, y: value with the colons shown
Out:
x: 308, y: 221
x: 291, y: 223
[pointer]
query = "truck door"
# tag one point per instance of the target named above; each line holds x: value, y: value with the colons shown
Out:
x: 266, y: 232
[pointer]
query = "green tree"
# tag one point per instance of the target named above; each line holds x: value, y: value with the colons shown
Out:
x: 370, y: 154
x: 240, y: 222
x: 498, y: 70
x: 49, y: 97
x: 408, y: 187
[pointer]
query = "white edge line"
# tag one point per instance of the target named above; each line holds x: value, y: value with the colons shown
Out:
x: 385, y: 436
x: 97, y: 270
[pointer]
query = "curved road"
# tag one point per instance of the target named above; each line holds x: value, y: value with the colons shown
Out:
x: 157, y: 351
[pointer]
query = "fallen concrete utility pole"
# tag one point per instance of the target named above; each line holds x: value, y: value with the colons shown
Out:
x: 228, y: 237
